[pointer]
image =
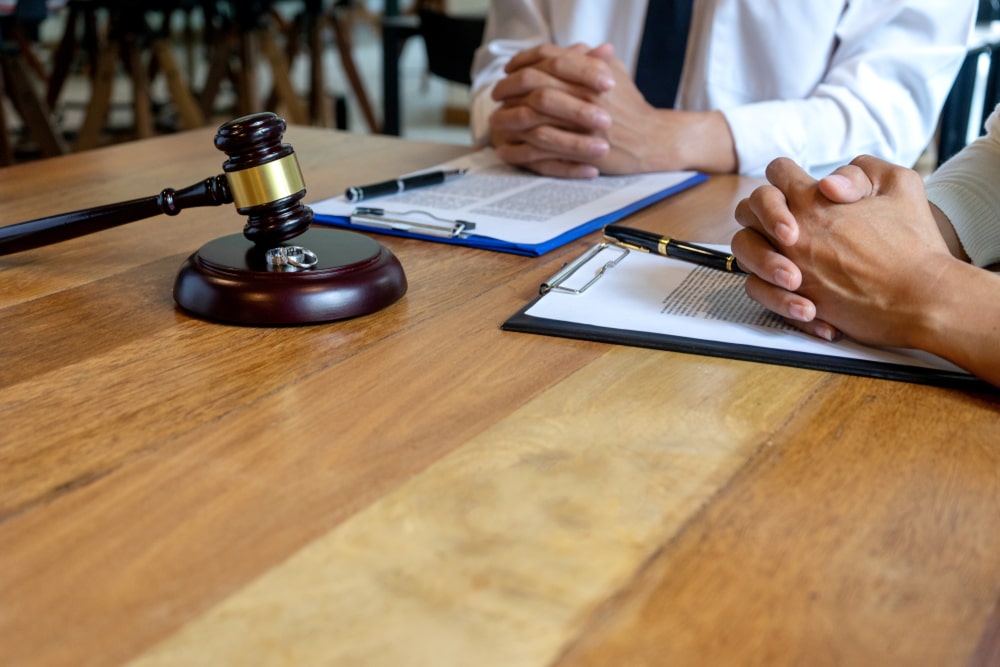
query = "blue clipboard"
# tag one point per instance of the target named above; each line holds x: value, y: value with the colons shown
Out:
x: 381, y: 216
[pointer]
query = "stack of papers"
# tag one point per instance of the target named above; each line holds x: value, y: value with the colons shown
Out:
x: 499, y: 207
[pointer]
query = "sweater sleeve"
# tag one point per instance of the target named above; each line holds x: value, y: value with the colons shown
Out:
x: 967, y: 190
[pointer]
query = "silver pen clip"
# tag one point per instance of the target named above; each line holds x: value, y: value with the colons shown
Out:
x: 435, y: 226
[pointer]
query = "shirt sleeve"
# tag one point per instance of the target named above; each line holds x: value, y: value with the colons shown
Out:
x: 511, y: 27
x: 817, y: 82
x: 515, y: 25
x: 890, y: 71
x: 967, y: 189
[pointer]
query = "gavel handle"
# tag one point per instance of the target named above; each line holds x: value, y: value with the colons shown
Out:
x: 45, y: 231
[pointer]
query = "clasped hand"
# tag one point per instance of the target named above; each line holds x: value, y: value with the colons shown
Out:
x: 858, y: 252
x: 575, y: 112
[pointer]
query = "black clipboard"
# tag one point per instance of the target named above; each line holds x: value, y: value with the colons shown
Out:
x: 595, y: 270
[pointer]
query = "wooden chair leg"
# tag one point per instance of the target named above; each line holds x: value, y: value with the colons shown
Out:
x: 218, y: 71
x: 291, y: 31
x: 319, y: 108
x: 28, y: 54
x: 246, y: 88
x: 36, y: 115
x: 142, y: 101
x: 62, y: 61
x: 344, y: 45
x: 296, y: 109
x: 188, y: 111
x: 100, y: 98
x: 190, y: 45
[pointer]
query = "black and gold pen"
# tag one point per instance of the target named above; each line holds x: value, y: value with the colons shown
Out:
x: 668, y: 247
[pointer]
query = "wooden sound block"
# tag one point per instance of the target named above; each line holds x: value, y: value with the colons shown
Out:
x: 230, y: 280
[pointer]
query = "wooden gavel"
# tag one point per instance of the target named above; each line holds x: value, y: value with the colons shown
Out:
x: 262, y: 177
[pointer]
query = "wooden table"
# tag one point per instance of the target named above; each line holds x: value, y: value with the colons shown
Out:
x: 417, y: 487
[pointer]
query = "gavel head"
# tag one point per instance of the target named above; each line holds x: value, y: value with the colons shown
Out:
x: 264, y: 178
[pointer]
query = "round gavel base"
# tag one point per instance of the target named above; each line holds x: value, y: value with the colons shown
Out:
x: 229, y: 280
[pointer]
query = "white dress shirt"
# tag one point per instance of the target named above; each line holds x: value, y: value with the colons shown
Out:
x: 819, y: 81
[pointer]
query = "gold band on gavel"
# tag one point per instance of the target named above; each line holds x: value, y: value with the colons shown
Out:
x: 266, y: 183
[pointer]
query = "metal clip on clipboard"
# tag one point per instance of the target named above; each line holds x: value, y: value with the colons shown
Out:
x: 555, y: 283
x: 379, y: 217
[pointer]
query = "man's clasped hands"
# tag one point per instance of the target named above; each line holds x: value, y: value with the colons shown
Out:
x: 862, y: 253
x: 576, y: 112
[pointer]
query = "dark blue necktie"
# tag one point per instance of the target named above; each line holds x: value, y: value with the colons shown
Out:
x: 661, y: 54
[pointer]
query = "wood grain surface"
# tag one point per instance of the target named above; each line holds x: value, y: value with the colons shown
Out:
x: 417, y: 487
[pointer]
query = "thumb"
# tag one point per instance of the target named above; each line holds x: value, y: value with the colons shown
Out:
x: 846, y: 185
x: 605, y: 52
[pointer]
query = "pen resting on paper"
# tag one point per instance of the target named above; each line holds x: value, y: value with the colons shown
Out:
x: 397, y: 185
x: 668, y: 247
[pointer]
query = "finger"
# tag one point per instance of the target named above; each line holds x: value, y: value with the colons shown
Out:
x: 817, y: 328
x: 766, y: 211
x: 889, y: 178
x: 605, y: 52
x: 548, y: 142
x: 789, y: 305
x: 549, y: 105
x: 533, y: 56
x: 746, y: 217
x: 524, y: 81
x: 572, y: 66
x: 534, y: 151
x: 875, y: 169
x: 756, y: 256
x: 846, y: 185
x: 563, y: 169
x: 522, y: 124
x: 549, y: 166
x: 786, y: 175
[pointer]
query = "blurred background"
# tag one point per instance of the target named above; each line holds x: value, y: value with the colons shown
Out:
x: 79, y: 74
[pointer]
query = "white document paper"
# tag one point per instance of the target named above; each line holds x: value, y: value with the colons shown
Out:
x: 510, y: 204
x: 655, y: 294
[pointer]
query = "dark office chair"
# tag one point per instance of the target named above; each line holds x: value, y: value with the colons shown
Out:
x: 972, y: 98
x: 992, y: 91
x: 451, y: 42
x: 975, y: 93
x: 989, y: 10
